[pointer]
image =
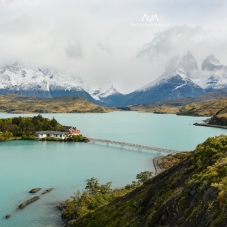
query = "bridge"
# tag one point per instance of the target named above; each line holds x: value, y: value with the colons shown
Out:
x: 131, y: 145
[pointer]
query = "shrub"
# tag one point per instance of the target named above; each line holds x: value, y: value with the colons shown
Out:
x: 28, y: 137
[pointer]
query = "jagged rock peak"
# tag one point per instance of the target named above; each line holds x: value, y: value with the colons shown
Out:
x: 188, y: 63
x: 210, y: 63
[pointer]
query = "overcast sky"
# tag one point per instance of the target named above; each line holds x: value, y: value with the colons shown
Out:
x: 101, y: 40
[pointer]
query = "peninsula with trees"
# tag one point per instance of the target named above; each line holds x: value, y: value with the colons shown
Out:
x: 38, y: 128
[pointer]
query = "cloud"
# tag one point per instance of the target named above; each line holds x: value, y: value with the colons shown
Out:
x: 80, y: 38
x: 104, y: 48
x: 173, y: 39
x: 74, y: 51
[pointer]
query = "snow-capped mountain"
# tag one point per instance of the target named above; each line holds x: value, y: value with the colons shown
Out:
x: 106, y: 91
x: 175, y: 82
x: 39, y: 82
x: 107, y: 94
x: 212, y: 76
x: 103, y: 91
x: 215, y: 74
x: 45, y: 83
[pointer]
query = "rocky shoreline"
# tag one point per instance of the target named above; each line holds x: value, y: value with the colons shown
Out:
x: 209, y: 125
x: 156, y: 162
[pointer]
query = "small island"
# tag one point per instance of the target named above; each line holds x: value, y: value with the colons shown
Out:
x: 38, y: 128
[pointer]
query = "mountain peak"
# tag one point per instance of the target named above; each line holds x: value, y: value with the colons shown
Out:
x: 16, y: 66
x: 210, y: 63
x: 104, y: 91
x: 180, y: 67
x: 188, y: 63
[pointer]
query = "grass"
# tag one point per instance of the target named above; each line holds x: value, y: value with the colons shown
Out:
x: 21, y: 104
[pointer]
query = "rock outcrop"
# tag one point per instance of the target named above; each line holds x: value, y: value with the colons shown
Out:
x: 220, y: 118
x: 24, y: 204
x: 34, y: 190
x: 8, y: 216
x: 48, y: 190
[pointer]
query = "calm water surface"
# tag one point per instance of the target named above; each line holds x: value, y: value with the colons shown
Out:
x: 64, y: 166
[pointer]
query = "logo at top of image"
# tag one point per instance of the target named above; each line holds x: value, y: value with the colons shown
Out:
x: 149, y: 21
x: 148, y: 18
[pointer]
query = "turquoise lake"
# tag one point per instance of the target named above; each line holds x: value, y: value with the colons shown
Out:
x: 65, y: 166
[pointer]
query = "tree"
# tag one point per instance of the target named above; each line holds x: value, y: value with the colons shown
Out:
x: 144, y: 176
x: 6, y: 135
x: 105, y: 188
x: 92, y: 185
x: 54, y: 123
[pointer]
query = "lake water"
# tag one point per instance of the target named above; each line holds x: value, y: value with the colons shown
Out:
x: 65, y: 166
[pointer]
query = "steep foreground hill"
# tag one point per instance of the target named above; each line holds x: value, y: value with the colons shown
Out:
x: 189, y: 194
x: 220, y: 118
x: 22, y: 104
x: 206, y: 108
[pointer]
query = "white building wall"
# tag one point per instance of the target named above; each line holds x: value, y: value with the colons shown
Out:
x: 52, y: 135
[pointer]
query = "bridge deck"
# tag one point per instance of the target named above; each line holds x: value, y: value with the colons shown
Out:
x: 140, y: 147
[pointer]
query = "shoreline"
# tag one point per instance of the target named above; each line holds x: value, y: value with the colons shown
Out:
x: 156, y: 162
x: 208, y: 125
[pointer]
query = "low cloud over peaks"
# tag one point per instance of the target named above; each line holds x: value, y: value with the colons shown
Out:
x: 174, y: 39
x: 74, y: 51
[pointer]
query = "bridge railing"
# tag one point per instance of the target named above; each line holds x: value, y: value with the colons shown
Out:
x: 140, y: 147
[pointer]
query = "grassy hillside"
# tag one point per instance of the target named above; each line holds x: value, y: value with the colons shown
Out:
x: 161, y: 108
x: 220, y: 118
x: 190, y: 193
x: 186, y: 106
x: 22, y: 104
x: 206, y: 108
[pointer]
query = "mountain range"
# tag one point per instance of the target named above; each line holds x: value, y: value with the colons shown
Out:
x: 181, y: 78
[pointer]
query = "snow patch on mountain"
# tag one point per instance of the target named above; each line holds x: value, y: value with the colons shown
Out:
x: 103, y: 91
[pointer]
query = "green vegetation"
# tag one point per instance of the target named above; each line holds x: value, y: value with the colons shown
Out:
x: 95, y: 196
x: 25, y: 127
x: 193, y: 192
x: 170, y: 160
x: 6, y: 136
x: 21, y: 104
x: 73, y: 138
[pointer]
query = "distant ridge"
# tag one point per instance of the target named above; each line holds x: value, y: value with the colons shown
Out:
x: 21, y: 104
